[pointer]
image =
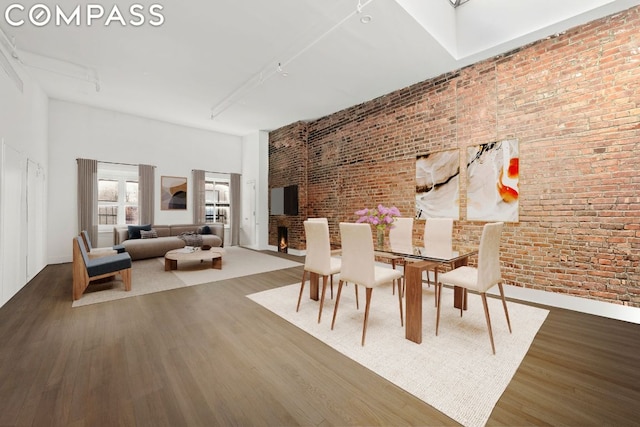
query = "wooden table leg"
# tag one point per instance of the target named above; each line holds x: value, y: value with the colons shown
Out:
x: 458, y: 292
x: 457, y: 297
x: 413, y: 297
x: 170, y: 264
x: 217, y: 263
x: 314, y: 281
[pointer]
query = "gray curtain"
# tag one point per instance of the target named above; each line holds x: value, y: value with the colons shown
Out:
x: 198, y: 197
x: 146, y: 191
x: 236, y: 207
x: 88, y: 197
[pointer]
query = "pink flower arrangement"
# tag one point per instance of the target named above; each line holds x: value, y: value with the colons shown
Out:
x: 382, y: 217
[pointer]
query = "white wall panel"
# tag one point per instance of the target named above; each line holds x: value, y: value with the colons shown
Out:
x: 13, y: 208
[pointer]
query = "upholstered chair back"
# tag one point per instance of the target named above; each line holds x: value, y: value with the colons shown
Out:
x: 489, y: 256
x: 318, y: 257
x: 401, y: 235
x: 438, y: 236
x: 357, y: 254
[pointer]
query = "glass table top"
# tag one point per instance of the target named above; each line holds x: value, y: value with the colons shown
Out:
x: 453, y: 254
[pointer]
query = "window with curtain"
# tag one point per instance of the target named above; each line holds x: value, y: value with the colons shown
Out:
x: 117, y: 195
x: 217, y: 200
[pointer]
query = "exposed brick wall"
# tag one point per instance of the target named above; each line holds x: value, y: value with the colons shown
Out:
x: 288, y: 166
x: 572, y: 103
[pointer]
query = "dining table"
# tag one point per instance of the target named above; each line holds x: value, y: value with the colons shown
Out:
x: 420, y: 259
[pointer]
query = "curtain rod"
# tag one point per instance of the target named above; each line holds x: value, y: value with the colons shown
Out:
x: 225, y: 173
x: 118, y: 163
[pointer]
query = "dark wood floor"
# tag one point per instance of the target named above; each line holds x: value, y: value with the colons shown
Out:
x: 206, y: 356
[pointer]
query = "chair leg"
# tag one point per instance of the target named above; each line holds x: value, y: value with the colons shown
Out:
x: 486, y: 315
x: 366, y: 314
x: 439, y: 294
x: 304, y: 273
x: 393, y: 285
x: 400, y: 301
x: 357, y: 302
x: 504, y: 304
x: 464, y: 301
x: 332, y: 286
x: 324, y: 290
x: 335, y: 308
x: 436, y: 299
x: 126, y: 278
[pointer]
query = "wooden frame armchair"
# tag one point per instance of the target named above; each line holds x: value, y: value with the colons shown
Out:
x: 87, y: 270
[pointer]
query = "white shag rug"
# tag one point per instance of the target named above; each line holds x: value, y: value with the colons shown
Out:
x: 148, y: 276
x: 454, y: 372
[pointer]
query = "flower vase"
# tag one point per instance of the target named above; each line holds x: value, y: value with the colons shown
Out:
x: 380, y: 236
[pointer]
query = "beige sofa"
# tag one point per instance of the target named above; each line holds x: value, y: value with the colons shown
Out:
x: 142, y: 248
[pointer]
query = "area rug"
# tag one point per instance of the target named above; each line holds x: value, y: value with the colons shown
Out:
x: 454, y: 372
x: 148, y: 275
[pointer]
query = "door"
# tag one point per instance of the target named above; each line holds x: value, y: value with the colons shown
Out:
x: 13, y: 247
x: 248, y: 232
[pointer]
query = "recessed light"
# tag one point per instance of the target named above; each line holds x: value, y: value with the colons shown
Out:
x: 366, y: 19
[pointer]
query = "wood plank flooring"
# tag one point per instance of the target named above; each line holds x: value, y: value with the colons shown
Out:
x: 208, y: 356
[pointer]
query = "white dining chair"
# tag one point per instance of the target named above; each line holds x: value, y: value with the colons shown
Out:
x: 318, y: 258
x: 401, y: 240
x: 438, y: 240
x: 358, y: 267
x: 479, y: 279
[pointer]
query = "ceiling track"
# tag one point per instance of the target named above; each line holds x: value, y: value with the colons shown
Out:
x: 269, y: 71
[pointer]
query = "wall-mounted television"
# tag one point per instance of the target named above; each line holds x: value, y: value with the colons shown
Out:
x: 284, y: 200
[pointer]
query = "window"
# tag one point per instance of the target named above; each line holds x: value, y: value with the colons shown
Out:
x: 217, y: 204
x: 117, y: 194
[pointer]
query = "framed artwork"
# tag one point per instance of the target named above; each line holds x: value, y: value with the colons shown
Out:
x: 437, y: 185
x: 492, y: 181
x: 173, y: 192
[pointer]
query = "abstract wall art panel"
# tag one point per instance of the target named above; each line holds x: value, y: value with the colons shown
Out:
x: 173, y: 192
x: 492, y: 181
x: 437, y: 185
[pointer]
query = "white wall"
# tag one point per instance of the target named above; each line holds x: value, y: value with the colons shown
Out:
x: 23, y: 133
x: 255, y: 169
x: 23, y: 116
x: 80, y: 131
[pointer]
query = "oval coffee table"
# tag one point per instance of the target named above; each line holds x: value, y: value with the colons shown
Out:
x: 172, y: 257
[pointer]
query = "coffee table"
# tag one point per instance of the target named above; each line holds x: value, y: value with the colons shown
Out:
x: 172, y: 257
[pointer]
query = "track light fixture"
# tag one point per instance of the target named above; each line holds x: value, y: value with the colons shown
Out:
x: 456, y: 3
x: 281, y: 71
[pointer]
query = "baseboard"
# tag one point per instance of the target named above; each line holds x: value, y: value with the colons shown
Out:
x: 569, y: 302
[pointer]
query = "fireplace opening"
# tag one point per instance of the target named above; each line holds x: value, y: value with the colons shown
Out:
x: 283, y: 240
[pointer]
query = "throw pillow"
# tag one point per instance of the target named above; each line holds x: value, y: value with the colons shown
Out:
x: 205, y: 230
x: 134, y: 230
x: 153, y: 234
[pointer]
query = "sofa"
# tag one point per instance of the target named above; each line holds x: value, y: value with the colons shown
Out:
x: 151, y: 241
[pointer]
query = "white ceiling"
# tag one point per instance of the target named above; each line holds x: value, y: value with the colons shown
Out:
x: 213, y: 64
